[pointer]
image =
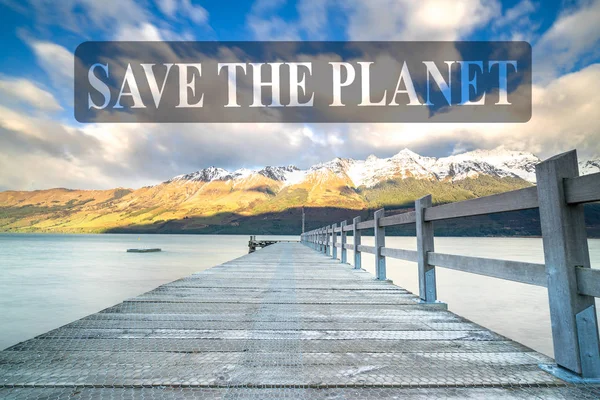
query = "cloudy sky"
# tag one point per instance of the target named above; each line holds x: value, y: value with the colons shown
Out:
x: 42, y: 146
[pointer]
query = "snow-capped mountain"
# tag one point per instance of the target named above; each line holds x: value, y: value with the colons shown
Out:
x: 219, y: 174
x: 589, y: 167
x: 499, y: 162
x: 217, y: 200
x: 204, y: 175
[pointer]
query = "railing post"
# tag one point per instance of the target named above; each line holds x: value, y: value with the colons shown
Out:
x: 323, y: 244
x: 343, y: 239
x: 321, y: 241
x: 573, y: 316
x: 380, y: 271
x: 327, y: 247
x: 333, y: 242
x: 356, y: 239
x: 427, y: 285
x: 318, y: 238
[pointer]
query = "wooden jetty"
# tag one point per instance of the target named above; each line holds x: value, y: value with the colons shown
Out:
x: 293, y: 321
x: 254, y: 243
x: 283, y: 322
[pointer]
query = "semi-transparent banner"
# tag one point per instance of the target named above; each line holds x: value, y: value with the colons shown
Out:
x: 303, y: 82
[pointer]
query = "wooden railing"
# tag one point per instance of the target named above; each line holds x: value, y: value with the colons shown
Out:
x: 566, y: 272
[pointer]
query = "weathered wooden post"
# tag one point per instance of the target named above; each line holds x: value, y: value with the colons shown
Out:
x: 379, y: 233
x: 573, y: 316
x: 356, y: 236
x: 343, y: 240
x: 323, y: 250
x: 317, y: 240
x: 427, y: 285
x: 329, y: 239
x: 333, y: 241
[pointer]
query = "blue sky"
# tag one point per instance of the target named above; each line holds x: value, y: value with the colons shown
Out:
x: 38, y: 132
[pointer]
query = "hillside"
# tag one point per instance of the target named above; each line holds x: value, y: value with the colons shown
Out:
x: 268, y: 200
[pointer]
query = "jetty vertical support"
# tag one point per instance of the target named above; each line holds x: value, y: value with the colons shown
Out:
x: 427, y: 284
x: 319, y: 240
x: 323, y: 240
x: 343, y: 240
x: 356, y: 239
x: 573, y: 316
x: 379, y: 233
x: 333, y: 241
x: 326, y: 239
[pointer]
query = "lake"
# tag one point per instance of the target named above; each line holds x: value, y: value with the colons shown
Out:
x: 50, y: 280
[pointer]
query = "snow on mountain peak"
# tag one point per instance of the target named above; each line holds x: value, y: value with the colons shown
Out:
x: 277, y: 173
x: 498, y: 162
x: 204, y: 175
x: 406, y: 153
x: 219, y: 174
x: 589, y: 167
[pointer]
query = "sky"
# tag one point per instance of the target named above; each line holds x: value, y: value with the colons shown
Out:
x: 42, y: 146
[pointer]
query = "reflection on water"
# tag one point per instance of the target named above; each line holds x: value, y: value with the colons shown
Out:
x: 49, y: 280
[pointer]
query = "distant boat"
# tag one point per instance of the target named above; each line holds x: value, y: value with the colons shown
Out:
x: 143, y: 250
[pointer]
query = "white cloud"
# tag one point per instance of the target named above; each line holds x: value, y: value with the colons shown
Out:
x: 196, y: 13
x: 516, y: 22
x: 516, y: 13
x: 28, y: 92
x: 417, y: 20
x: 81, y: 16
x: 564, y: 118
x: 142, y: 32
x: 56, y: 61
x: 273, y: 28
x: 266, y: 24
x: 184, y: 8
x: 115, y: 20
x: 573, y: 38
x: 167, y: 7
x: 375, y: 20
x: 109, y: 155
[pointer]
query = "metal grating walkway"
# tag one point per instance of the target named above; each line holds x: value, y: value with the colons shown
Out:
x: 283, y: 322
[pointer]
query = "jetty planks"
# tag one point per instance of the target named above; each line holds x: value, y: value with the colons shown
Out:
x: 283, y: 322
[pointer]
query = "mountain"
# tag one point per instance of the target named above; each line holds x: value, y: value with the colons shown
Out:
x: 268, y: 200
x: 499, y: 163
x: 589, y: 167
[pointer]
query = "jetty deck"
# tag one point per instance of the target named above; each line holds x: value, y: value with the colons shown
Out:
x: 283, y: 322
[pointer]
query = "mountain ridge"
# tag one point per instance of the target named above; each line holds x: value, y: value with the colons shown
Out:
x: 406, y: 163
x: 217, y: 200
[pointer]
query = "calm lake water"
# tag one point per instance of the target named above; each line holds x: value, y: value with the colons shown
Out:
x: 50, y: 280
